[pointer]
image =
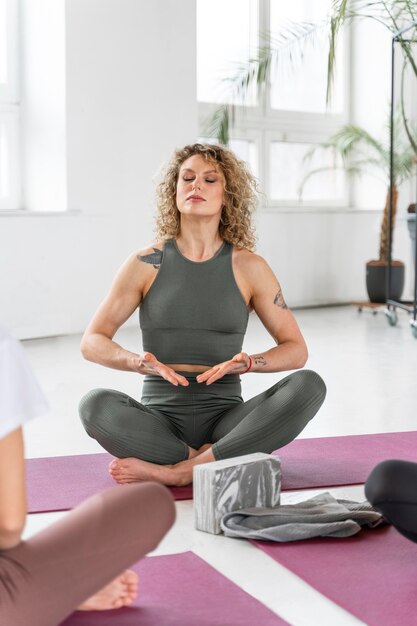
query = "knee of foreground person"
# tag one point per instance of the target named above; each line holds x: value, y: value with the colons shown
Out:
x: 161, y: 502
x: 390, y: 481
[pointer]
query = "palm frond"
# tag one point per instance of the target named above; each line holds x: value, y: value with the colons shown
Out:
x: 349, y: 139
x: 360, y: 152
x: 288, y: 46
x: 404, y: 166
x: 353, y: 169
x: 393, y: 15
x: 412, y: 8
x: 358, y: 167
x: 218, y: 125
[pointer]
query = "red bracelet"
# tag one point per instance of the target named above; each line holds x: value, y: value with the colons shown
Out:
x: 250, y: 365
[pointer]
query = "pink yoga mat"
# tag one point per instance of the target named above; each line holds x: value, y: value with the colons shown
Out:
x: 60, y: 483
x: 373, y: 575
x: 347, y: 460
x: 183, y: 590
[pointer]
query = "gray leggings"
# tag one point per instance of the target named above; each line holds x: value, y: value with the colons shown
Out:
x: 170, y: 419
x: 44, y: 579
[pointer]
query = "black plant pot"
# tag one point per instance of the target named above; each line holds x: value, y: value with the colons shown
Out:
x: 376, y: 280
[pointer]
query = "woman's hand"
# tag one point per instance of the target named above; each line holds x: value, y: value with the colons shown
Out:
x: 237, y: 365
x: 149, y: 364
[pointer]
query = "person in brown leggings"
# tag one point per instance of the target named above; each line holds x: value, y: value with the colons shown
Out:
x: 77, y: 562
x: 73, y: 563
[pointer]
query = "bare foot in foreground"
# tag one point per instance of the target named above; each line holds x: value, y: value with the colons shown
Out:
x: 120, y: 592
x: 132, y: 470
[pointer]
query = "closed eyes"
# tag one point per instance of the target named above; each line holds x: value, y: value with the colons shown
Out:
x: 207, y: 180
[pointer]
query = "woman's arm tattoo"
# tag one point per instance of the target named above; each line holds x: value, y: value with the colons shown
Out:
x: 155, y: 258
x: 259, y: 359
x: 279, y: 300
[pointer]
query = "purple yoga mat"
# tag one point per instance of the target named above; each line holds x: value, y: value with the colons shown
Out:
x: 373, y: 575
x: 182, y: 590
x: 335, y: 461
x: 60, y: 483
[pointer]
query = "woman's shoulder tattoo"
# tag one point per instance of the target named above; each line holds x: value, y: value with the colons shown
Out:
x: 154, y: 258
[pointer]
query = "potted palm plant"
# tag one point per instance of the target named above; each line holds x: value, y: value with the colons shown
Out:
x: 359, y: 153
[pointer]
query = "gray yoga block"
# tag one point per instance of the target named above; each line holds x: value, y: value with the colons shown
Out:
x: 253, y: 480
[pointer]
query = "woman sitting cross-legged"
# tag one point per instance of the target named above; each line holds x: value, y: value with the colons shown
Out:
x: 195, y: 288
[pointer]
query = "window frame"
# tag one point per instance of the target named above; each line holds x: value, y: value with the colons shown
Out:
x: 262, y: 124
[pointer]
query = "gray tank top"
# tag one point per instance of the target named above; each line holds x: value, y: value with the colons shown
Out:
x: 194, y: 311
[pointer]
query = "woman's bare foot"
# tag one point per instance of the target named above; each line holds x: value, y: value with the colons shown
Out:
x: 132, y: 470
x: 120, y: 592
x: 193, y: 453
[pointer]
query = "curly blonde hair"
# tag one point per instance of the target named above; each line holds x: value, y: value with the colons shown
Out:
x: 240, y: 195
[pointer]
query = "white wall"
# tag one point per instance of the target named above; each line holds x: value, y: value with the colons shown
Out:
x: 320, y: 257
x: 129, y: 77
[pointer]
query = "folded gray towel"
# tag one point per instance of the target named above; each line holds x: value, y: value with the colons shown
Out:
x: 321, y: 516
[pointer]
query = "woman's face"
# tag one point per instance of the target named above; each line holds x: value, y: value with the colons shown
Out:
x: 200, y: 187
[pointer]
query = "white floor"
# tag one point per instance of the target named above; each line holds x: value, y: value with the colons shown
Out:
x: 370, y: 371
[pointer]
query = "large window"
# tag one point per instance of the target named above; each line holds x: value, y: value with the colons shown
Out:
x: 9, y: 107
x: 227, y: 35
x: 274, y: 131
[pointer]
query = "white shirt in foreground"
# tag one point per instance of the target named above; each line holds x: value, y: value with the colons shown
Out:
x: 21, y: 398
